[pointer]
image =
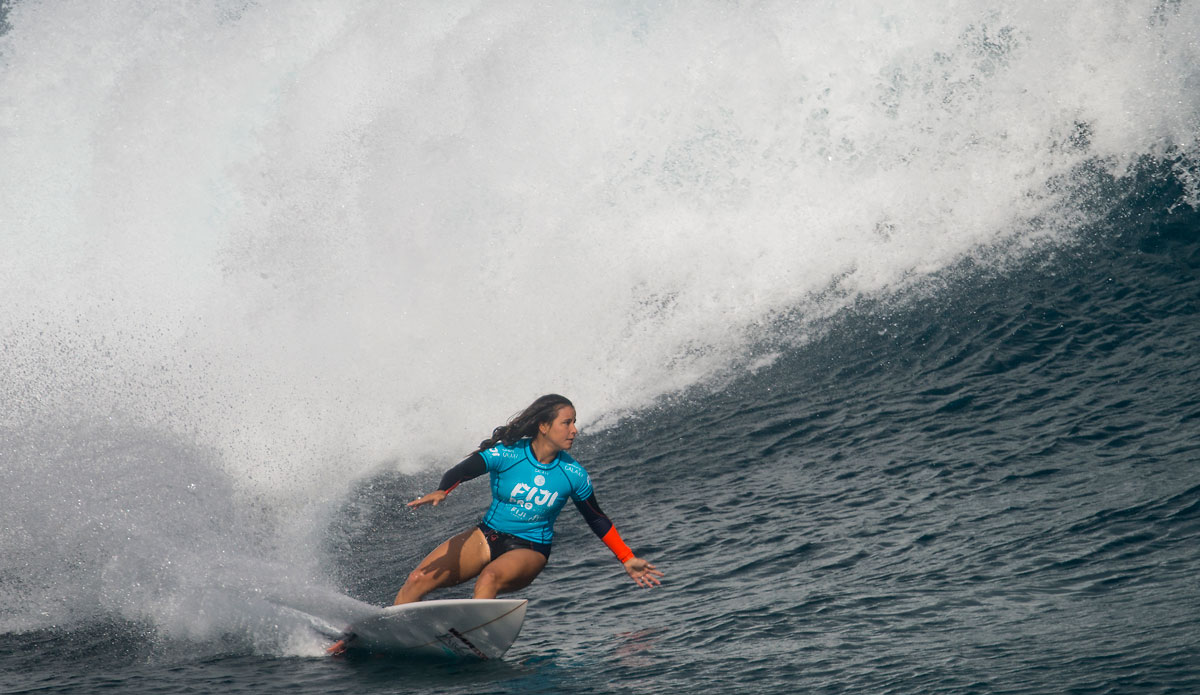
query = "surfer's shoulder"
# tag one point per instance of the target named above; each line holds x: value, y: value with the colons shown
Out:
x: 500, y: 452
x: 571, y: 467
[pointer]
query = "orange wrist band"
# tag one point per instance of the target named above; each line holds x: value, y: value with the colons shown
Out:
x: 613, y: 540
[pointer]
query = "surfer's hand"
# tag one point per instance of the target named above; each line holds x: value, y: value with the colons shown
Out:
x: 433, y: 498
x: 644, y: 573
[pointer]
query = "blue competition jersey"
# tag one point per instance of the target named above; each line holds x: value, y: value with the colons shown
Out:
x: 527, y: 495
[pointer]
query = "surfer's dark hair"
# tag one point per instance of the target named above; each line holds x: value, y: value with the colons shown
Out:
x: 525, y: 423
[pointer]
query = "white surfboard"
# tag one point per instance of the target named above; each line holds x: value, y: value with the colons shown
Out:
x: 457, y: 628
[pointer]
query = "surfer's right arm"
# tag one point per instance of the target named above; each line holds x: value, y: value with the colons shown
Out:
x: 472, y: 466
x: 642, y: 572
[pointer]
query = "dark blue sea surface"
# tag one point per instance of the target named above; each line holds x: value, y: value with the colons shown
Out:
x: 991, y: 488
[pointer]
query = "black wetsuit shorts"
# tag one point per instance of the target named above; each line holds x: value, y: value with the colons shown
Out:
x: 501, y: 543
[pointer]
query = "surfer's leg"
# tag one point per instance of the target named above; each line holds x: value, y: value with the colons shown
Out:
x: 511, y: 571
x: 453, y: 562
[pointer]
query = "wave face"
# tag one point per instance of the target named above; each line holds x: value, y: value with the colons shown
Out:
x: 256, y: 254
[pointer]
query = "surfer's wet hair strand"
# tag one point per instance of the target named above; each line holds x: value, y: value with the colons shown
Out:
x: 525, y: 423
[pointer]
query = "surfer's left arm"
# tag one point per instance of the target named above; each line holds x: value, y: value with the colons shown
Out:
x: 469, y: 468
x: 642, y: 572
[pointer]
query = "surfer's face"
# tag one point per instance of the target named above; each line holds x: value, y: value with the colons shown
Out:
x: 560, y: 432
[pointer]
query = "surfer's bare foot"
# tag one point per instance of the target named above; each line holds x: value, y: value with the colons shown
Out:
x: 339, y: 647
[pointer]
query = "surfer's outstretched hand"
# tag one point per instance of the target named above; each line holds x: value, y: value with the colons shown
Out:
x: 433, y: 498
x: 644, y: 573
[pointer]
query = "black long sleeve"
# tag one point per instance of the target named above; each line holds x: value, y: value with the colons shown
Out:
x: 595, y: 517
x: 472, y: 466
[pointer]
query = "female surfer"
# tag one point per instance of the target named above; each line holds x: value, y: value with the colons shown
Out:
x: 532, y: 477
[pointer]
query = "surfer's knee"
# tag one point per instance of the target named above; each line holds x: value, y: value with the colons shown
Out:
x: 492, y: 580
x: 418, y: 583
x: 487, y: 585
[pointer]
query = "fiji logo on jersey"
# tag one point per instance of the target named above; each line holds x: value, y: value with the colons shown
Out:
x: 530, y: 496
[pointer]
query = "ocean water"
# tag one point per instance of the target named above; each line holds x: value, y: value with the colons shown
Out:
x: 881, y: 319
